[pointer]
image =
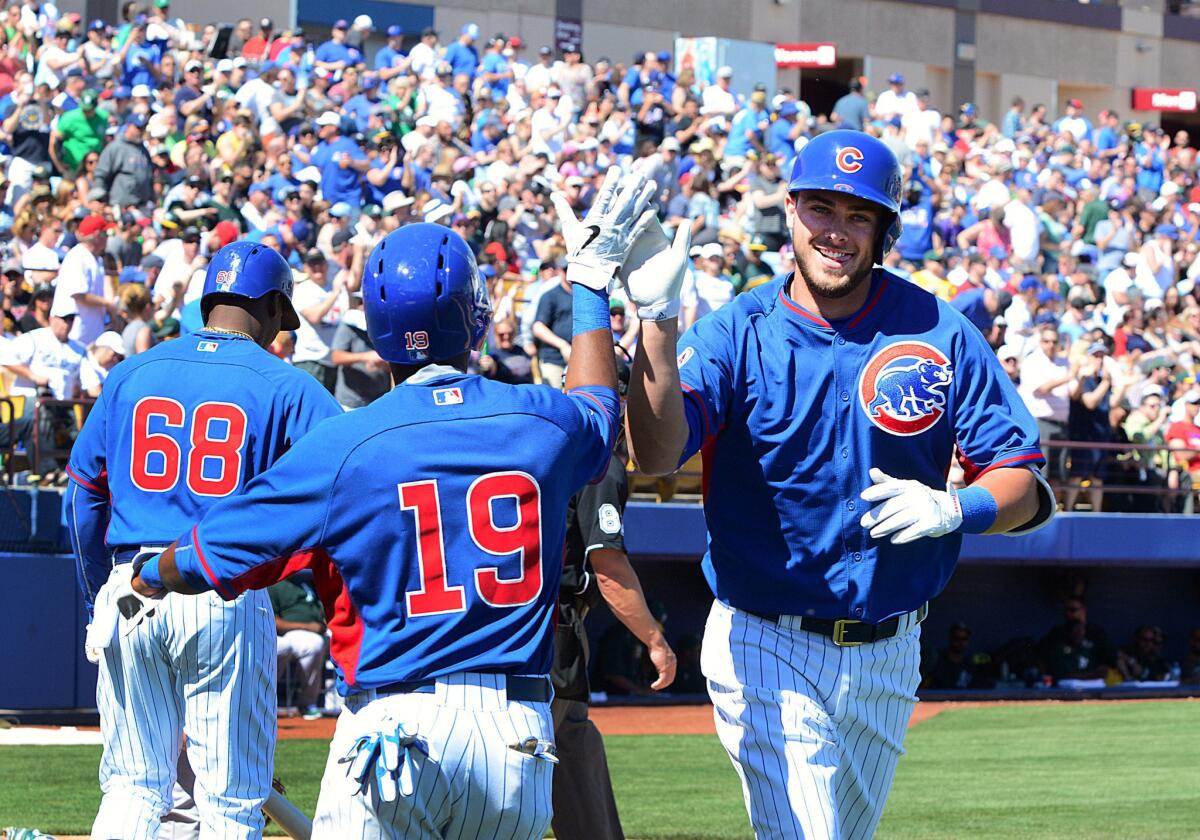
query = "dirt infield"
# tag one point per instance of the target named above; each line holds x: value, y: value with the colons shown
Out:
x: 622, y: 720
x: 679, y: 720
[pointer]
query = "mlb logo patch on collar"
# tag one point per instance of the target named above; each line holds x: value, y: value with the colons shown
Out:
x: 447, y: 396
x: 207, y: 346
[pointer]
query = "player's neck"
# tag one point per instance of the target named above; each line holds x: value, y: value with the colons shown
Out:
x: 229, y: 319
x: 829, y: 308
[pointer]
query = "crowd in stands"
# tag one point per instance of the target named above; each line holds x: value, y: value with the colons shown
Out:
x: 134, y: 149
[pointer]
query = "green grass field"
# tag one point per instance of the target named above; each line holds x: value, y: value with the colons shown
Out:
x: 1115, y: 770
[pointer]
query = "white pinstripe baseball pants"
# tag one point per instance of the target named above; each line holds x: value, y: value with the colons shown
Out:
x: 206, y: 667
x: 467, y: 782
x: 814, y: 730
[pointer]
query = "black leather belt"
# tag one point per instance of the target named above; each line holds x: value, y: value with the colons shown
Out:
x: 521, y: 689
x: 847, y: 632
x: 129, y: 553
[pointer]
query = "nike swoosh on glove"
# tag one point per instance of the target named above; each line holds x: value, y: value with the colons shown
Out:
x: 597, y: 246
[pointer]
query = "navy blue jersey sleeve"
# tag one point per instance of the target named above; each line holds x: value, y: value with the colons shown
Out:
x: 258, y: 538
x: 85, y: 514
x: 88, y: 463
x: 598, y: 409
x: 992, y: 426
x: 706, y: 359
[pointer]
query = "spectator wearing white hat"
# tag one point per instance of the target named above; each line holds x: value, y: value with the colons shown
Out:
x: 1183, y: 438
x: 360, y: 30
x: 719, y: 98
x: 707, y: 287
x: 103, y: 354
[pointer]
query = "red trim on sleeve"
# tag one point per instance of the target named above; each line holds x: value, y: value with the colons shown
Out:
x: 694, y: 395
x: 593, y: 398
x: 800, y: 310
x: 260, y: 577
x: 870, y: 304
x: 341, y: 616
x: 103, y: 491
x: 221, y: 590
x: 1008, y: 462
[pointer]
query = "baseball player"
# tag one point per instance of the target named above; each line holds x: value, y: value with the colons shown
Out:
x: 827, y: 404
x: 595, y: 567
x: 177, y: 428
x: 433, y: 522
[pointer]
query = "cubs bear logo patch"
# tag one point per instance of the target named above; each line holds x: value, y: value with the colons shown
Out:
x: 903, y: 387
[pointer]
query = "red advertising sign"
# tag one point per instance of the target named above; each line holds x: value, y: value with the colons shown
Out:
x: 1164, y: 99
x: 805, y: 55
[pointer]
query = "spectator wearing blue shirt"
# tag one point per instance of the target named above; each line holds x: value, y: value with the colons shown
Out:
x: 1014, y: 119
x: 496, y: 71
x: 140, y: 66
x: 1152, y: 159
x: 980, y: 306
x: 386, y: 174
x: 335, y: 55
x: 360, y: 106
x: 666, y: 79
x: 462, y: 55
x: 852, y: 111
x: 418, y: 169
x: 1107, y: 138
x: 340, y: 161
x: 390, y: 60
x: 781, y: 136
x: 644, y: 71
x: 749, y: 126
x: 916, y: 216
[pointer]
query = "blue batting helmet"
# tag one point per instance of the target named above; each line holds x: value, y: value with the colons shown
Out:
x: 423, y: 296
x: 857, y: 164
x: 250, y: 270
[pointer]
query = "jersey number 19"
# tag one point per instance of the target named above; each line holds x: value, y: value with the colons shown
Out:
x: 436, y: 595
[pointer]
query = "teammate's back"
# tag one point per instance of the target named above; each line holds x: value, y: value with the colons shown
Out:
x: 187, y: 422
x: 437, y: 491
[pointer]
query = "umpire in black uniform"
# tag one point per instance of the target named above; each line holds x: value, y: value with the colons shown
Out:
x: 595, y: 568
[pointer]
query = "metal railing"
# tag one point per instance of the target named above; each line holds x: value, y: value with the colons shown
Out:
x: 1121, y: 470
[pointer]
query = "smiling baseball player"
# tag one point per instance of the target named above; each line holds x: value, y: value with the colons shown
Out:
x: 827, y: 405
x: 433, y: 520
x: 177, y: 428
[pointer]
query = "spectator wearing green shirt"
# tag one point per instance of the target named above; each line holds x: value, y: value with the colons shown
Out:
x: 300, y: 627
x: 77, y: 132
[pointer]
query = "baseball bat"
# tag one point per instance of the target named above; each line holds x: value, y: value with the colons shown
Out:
x: 287, y: 816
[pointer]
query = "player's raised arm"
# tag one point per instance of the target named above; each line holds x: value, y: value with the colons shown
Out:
x: 597, y: 248
x: 655, y: 422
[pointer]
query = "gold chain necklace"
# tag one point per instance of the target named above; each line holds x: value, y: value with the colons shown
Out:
x: 229, y: 332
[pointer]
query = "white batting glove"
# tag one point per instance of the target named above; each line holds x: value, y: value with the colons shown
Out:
x: 654, y: 272
x: 133, y: 606
x: 597, y: 246
x: 909, y: 510
x: 103, y: 626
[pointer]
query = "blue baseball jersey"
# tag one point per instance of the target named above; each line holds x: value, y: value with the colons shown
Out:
x: 186, y: 423
x: 433, y: 520
x: 791, y: 412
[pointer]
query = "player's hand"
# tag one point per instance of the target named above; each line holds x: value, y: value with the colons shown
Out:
x: 654, y: 272
x: 664, y: 662
x: 909, y: 510
x: 135, y: 601
x: 597, y: 247
x: 103, y: 626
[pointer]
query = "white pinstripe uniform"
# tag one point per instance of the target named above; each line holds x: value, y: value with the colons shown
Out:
x: 830, y: 727
x: 466, y: 780
x: 212, y: 664
x: 175, y: 428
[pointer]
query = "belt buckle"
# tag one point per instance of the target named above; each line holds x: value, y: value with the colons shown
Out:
x: 839, y: 632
